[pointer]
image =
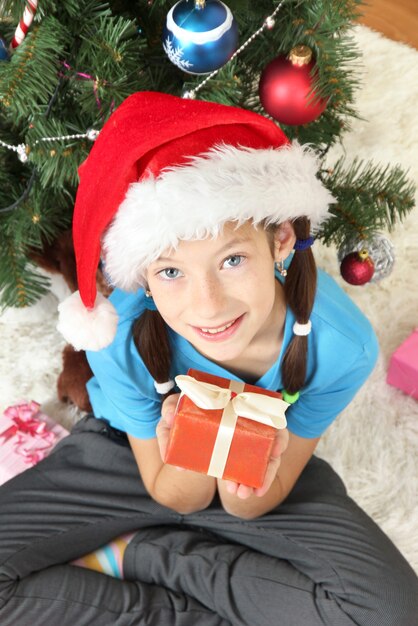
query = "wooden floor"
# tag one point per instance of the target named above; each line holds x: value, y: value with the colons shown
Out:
x: 396, y: 19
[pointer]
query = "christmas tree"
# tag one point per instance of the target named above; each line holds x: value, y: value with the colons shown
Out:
x: 68, y: 65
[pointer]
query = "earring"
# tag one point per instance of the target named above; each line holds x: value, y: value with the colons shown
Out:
x: 149, y: 301
x: 281, y: 268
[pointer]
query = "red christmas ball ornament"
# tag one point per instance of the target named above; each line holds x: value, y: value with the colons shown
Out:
x: 357, y: 268
x: 285, y: 88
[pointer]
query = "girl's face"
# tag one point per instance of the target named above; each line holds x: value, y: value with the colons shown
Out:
x: 220, y: 294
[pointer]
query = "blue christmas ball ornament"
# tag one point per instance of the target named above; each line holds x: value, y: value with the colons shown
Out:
x: 200, y: 37
x: 4, y: 53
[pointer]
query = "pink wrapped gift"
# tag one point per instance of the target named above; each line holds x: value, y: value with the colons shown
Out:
x: 26, y: 437
x: 403, y: 366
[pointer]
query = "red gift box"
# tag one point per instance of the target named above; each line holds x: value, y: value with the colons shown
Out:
x: 225, y: 428
x: 403, y: 366
x: 26, y: 437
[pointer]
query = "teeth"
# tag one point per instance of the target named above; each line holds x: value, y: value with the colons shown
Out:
x: 214, y: 331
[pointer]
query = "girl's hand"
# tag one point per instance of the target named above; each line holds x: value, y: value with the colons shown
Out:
x: 243, y: 491
x: 168, y: 410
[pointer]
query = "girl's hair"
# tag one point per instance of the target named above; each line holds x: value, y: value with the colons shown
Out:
x: 151, y: 335
x: 299, y: 289
x: 151, y: 340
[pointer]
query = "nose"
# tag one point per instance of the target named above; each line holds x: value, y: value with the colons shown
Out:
x: 207, y: 300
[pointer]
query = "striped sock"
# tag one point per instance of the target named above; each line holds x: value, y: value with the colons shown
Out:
x: 108, y: 559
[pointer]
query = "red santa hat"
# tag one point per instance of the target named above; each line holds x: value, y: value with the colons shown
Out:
x: 166, y: 169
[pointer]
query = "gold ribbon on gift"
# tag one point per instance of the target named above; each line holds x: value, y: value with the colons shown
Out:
x: 235, y: 402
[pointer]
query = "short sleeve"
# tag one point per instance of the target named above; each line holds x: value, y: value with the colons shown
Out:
x: 318, y: 407
x: 127, y: 402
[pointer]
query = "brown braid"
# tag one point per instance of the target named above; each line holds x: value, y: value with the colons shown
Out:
x: 299, y: 289
x: 151, y: 339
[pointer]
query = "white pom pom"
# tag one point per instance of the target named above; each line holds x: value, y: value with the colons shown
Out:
x: 87, y: 329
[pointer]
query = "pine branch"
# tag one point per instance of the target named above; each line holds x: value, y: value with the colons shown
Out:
x: 57, y: 161
x: 20, y: 284
x: 369, y: 198
x: 20, y: 83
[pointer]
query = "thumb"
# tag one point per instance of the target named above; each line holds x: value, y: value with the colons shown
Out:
x: 168, y: 408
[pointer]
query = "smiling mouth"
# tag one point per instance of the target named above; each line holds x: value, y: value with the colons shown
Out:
x: 219, y: 329
x: 220, y: 332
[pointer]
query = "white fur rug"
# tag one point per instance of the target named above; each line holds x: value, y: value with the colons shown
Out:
x: 373, y: 444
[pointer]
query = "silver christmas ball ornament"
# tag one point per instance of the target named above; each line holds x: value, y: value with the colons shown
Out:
x: 381, y: 250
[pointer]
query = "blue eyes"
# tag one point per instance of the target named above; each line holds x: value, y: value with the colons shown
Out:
x: 234, y: 260
x: 171, y: 273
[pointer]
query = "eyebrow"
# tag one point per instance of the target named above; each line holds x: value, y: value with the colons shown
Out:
x: 230, y: 244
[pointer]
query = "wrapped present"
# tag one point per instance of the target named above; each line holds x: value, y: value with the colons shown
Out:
x: 225, y: 428
x: 403, y: 366
x: 26, y: 437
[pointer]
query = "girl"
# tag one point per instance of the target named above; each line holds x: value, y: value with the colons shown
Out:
x: 203, y: 215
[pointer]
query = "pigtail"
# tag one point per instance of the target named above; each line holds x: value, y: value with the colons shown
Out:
x: 300, y: 289
x: 152, y: 342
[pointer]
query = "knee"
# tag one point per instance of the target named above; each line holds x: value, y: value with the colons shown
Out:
x: 393, y: 600
x: 399, y: 605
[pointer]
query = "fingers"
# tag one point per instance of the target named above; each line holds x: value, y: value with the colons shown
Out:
x: 271, y: 473
x: 284, y: 438
x: 163, y: 434
x: 168, y: 408
x: 241, y: 491
x: 280, y: 443
x: 231, y: 487
x: 244, y: 492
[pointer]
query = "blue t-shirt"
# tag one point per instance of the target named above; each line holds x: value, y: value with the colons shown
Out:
x: 342, y: 351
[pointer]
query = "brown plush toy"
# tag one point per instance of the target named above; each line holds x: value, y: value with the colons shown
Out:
x: 58, y: 258
x: 71, y: 383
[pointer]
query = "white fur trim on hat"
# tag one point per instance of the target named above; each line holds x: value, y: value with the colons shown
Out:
x: 195, y: 201
x: 87, y: 329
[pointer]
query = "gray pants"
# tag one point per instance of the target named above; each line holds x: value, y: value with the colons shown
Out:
x: 315, y: 560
